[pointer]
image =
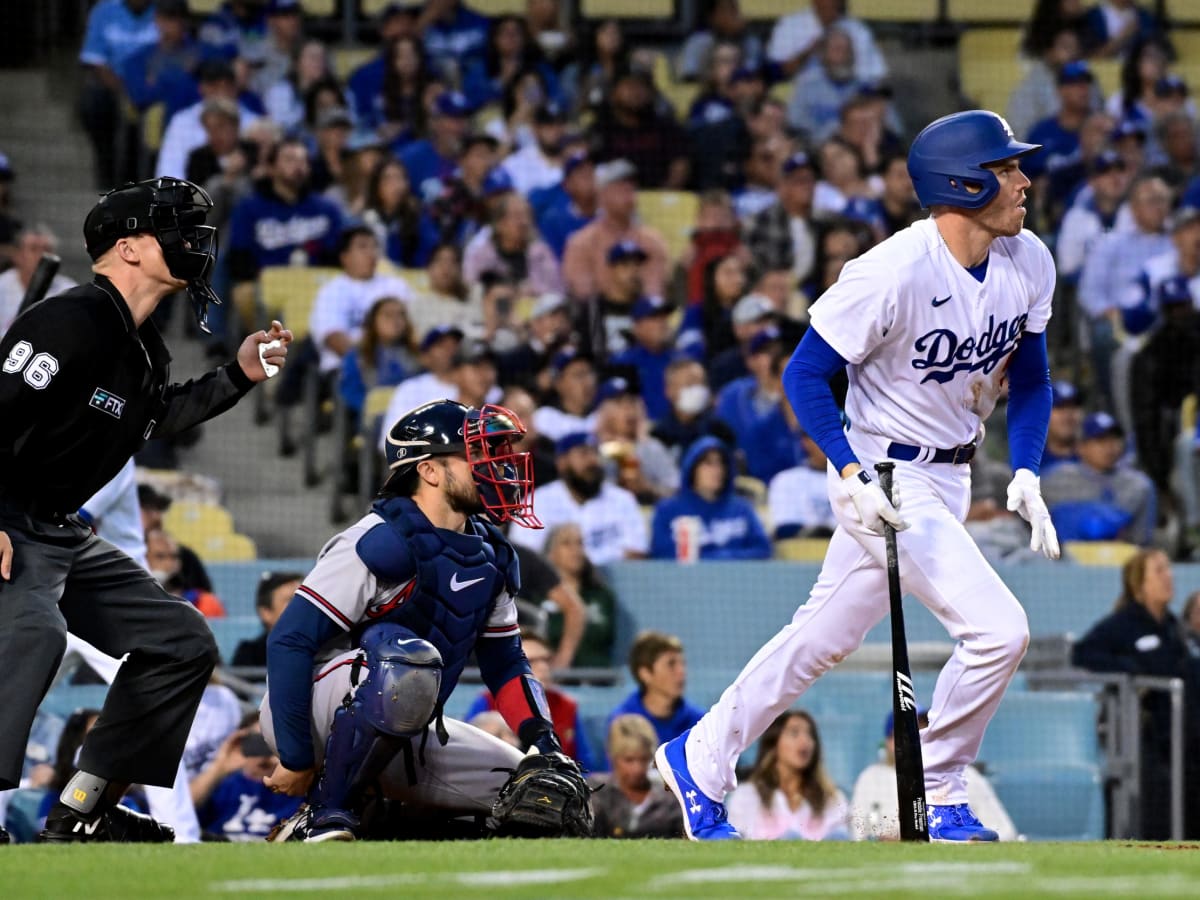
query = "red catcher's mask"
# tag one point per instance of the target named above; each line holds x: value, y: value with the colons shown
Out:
x: 504, y: 476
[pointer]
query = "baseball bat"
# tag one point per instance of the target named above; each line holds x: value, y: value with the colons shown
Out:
x: 910, y: 770
x: 47, y: 268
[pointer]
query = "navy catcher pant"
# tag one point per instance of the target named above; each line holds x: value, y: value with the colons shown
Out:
x: 64, y: 578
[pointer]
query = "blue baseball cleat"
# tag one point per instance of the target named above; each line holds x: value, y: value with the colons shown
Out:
x: 704, y: 819
x: 957, y: 824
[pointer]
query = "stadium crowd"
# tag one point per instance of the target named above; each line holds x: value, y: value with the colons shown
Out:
x: 510, y: 209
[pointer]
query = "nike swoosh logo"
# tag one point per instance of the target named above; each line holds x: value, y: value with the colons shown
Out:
x: 946, y: 299
x: 456, y: 585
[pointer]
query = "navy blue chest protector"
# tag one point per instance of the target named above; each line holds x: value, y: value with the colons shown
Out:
x: 455, y: 579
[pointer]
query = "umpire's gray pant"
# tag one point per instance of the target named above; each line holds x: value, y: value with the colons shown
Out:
x: 64, y: 578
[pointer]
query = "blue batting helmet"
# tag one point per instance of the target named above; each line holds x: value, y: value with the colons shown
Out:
x: 952, y: 153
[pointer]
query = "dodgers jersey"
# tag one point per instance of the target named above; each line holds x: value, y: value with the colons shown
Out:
x: 927, y: 343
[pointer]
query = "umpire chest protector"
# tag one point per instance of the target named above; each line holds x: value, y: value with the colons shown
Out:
x: 453, y: 579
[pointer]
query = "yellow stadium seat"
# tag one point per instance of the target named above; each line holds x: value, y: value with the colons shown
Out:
x: 1108, y: 74
x: 988, y: 11
x: 802, y: 549
x: 319, y: 8
x: 226, y: 548
x: 990, y: 65
x: 204, y: 7
x: 495, y: 8
x: 153, y: 125
x: 191, y: 523
x: 673, y: 214
x: 989, y: 43
x: 1099, y: 553
x: 627, y: 9
x: 347, y: 59
x: 760, y: 10
x: 1187, y: 415
x: 417, y: 279
x: 376, y: 404
x: 289, y: 292
x: 681, y: 95
x: 898, y: 10
x: 754, y: 489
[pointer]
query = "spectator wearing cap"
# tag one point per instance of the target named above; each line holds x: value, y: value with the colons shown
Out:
x: 508, y: 54
x: 1182, y: 260
x: 31, y: 243
x: 781, y: 237
x: 797, y: 39
x: 585, y: 261
x: 1129, y: 138
x: 896, y: 207
x: 165, y: 71
x: 539, y: 164
x: 1176, y: 142
x: 609, y: 316
x: 511, y: 246
x: 454, y: 34
x: 650, y: 351
x: 573, y: 379
x: 439, y: 350
x: 607, y: 515
x: 548, y: 331
x: 1066, y: 420
x: 753, y: 407
x: 724, y: 524
x: 751, y: 314
x: 630, y: 126
x: 690, y: 414
x: 798, y: 497
x: 1059, y: 134
x: 1119, y: 28
x: 1091, y: 216
x: 274, y: 593
x: 821, y: 90
x: 282, y: 223
x: 185, y: 132
x: 115, y: 31
x: 432, y: 159
x: 568, y: 206
x: 329, y: 163
x: 233, y: 30
x: 637, y: 460
x: 1166, y: 370
x: 1112, y: 268
x: 340, y: 308
x: 1048, y: 46
x: 725, y: 23
x: 1066, y: 184
x: 461, y: 209
x: 272, y: 58
x: 1098, y: 498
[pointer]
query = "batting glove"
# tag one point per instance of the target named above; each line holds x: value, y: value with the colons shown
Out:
x: 1025, y: 499
x: 871, y: 503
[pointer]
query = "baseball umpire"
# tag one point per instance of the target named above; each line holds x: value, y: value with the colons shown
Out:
x: 83, y: 384
x: 362, y: 661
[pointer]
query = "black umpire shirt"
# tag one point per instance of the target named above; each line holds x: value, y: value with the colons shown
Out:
x: 82, y: 388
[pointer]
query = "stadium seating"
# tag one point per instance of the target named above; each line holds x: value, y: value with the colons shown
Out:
x: 809, y: 550
x: 319, y: 8
x: 204, y: 7
x: 990, y: 65
x: 989, y: 11
x: 347, y: 59
x: 290, y: 292
x: 232, y: 630
x: 1099, y: 553
x: 225, y: 548
x: 1043, y: 727
x: 1053, y: 801
x: 627, y: 9
x: 672, y: 214
x: 153, y: 126
x: 190, y: 522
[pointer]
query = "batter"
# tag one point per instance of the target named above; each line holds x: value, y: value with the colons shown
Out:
x: 929, y: 324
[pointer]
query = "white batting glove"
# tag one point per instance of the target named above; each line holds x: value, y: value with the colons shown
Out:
x: 1025, y: 499
x: 871, y: 503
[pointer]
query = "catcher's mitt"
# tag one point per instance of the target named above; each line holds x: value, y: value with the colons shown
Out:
x: 545, y: 796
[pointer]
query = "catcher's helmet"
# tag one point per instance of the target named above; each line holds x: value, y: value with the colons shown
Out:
x: 952, y: 153
x: 174, y: 212
x: 484, y: 437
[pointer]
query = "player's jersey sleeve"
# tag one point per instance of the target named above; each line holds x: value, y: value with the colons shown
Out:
x: 855, y: 315
x: 1042, y: 275
x: 340, y: 585
x: 502, y: 623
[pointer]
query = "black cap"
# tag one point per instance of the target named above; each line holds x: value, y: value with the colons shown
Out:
x: 177, y: 9
x: 214, y: 70
x: 119, y: 213
x: 151, y: 498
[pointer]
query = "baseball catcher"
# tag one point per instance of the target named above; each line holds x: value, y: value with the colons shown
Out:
x: 361, y: 663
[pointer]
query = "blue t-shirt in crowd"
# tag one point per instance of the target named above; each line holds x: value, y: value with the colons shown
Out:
x: 762, y: 430
x: 426, y: 168
x: 458, y: 41
x: 684, y: 716
x: 244, y: 809
x: 265, y: 230
x: 152, y: 75
x: 1058, y: 145
x: 114, y: 32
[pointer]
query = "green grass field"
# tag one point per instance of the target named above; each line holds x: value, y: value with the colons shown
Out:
x: 629, y: 870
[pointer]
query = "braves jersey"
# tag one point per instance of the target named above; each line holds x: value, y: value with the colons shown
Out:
x: 926, y: 342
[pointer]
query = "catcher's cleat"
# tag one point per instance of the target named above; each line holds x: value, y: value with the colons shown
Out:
x: 116, y: 825
x: 4, y: 838
x: 704, y: 819
x: 315, y: 825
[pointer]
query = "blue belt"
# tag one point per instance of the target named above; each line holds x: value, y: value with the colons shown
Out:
x: 956, y: 456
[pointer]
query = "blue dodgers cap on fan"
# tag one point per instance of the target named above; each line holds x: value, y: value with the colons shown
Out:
x: 497, y: 181
x: 283, y: 7
x: 574, y: 161
x: 437, y: 332
x: 1101, y: 424
x: 565, y: 357
x: 763, y: 339
x: 889, y: 724
x: 799, y: 160
x: 645, y: 307
x: 1170, y: 84
x: 746, y: 72
x: 6, y: 172
x: 573, y: 439
x: 1077, y: 72
x: 1175, y: 291
x: 614, y: 387
x: 1129, y: 128
x: 1065, y: 393
x: 1106, y: 162
x: 624, y: 251
x: 452, y: 104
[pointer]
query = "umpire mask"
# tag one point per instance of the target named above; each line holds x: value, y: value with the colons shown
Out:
x: 174, y: 211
